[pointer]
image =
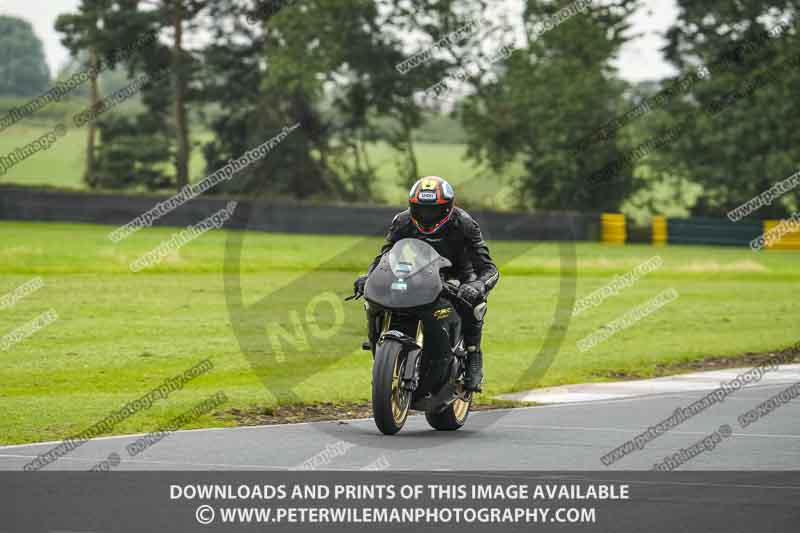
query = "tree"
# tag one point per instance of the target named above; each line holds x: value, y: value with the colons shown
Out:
x: 445, y: 31
x: 102, y: 27
x: 108, y: 81
x: 82, y: 32
x: 131, y: 153
x: 326, y: 65
x: 740, y: 125
x: 23, y: 69
x: 548, y: 95
x: 173, y: 18
x: 181, y: 13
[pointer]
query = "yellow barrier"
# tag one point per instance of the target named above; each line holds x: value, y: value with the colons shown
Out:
x: 789, y: 241
x: 613, y: 228
x: 659, y: 230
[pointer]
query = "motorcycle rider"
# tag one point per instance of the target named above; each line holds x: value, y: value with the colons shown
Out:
x: 432, y: 217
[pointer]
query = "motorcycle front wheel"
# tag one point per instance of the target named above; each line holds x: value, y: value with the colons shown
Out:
x: 390, y: 402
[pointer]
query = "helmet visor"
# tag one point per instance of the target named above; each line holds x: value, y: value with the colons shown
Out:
x: 429, y: 215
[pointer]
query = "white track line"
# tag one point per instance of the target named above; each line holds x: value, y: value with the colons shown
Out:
x: 349, y: 420
x: 639, y: 430
x: 139, y: 461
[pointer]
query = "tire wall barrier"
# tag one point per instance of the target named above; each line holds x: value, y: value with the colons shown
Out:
x: 31, y: 204
x: 614, y: 229
x: 789, y: 241
x: 699, y: 231
x: 715, y: 231
x: 28, y: 204
x: 659, y: 231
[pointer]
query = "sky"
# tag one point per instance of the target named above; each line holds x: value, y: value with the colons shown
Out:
x: 639, y: 60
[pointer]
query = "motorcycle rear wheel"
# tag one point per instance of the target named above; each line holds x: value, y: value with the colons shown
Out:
x: 390, y: 403
x: 452, y: 418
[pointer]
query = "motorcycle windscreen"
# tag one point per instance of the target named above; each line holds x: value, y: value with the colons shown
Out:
x: 408, y: 276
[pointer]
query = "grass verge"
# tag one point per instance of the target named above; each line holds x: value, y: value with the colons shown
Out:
x: 121, y: 334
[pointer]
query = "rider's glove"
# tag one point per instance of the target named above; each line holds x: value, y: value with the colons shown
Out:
x: 474, y: 292
x: 358, y: 285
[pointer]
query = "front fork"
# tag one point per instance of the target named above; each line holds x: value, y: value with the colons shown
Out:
x: 412, y: 348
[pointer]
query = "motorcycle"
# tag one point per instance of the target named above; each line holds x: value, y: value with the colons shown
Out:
x: 419, y: 359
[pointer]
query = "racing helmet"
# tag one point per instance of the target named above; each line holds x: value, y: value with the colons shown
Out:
x: 430, y: 202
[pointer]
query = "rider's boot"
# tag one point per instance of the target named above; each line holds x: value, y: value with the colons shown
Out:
x: 474, y: 375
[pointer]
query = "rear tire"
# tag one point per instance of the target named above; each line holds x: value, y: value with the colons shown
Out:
x: 452, y: 418
x: 390, y: 403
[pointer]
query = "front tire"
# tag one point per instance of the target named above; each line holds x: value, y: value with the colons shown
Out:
x: 452, y: 418
x: 390, y: 403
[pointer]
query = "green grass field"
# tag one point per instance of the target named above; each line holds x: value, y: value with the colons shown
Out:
x: 121, y: 334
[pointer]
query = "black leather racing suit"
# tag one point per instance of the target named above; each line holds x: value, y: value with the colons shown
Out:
x: 460, y: 240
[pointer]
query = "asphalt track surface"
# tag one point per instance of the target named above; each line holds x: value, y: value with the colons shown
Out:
x: 554, y: 437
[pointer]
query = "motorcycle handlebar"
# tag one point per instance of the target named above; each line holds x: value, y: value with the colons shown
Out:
x: 450, y: 291
x: 355, y: 296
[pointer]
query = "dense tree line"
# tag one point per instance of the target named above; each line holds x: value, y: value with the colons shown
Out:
x: 534, y: 89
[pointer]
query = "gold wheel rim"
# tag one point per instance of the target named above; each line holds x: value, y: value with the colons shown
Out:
x: 460, y: 409
x: 401, y: 399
